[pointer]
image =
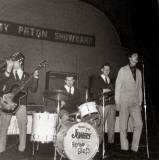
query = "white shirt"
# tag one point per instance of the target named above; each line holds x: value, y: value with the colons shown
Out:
x: 68, y: 88
x: 103, y: 77
x: 19, y: 72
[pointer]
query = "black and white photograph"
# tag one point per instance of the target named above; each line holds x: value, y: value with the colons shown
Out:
x: 79, y: 79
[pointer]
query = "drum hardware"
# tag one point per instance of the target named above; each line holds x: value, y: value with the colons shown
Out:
x: 87, y: 109
x: 90, y: 114
x: 74, y: 117
x: 77, y: 141
x: 63, y: 135
x: 43, y: 128
x: 57, y: 95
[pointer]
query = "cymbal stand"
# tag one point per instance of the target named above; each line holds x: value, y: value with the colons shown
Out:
x: 58, y: 111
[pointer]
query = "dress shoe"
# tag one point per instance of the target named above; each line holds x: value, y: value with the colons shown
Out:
x: 20, y: 154
x: 125, y: 152
x: 2, y: 155
x: 134, y: 154
x: 110, y: 146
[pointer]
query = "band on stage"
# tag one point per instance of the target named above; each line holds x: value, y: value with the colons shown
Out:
x: 77, y: 128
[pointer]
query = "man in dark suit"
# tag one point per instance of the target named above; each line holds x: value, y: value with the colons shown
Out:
x: 70, y: 106
x: 15, y: 75
x: 104, y: 84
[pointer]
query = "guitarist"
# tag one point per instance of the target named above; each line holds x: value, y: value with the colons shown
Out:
x: 100, y: 84
x: 14, y: 74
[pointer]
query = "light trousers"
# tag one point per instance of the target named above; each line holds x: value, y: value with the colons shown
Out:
x: 110, y: 118
x: 21, y: 116
x: 135, y: 113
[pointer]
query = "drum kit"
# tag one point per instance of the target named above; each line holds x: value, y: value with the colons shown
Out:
x: 75, y: 140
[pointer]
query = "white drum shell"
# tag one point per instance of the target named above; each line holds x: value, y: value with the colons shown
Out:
x: 87, y: 108
x: 75, y: 148
x: 44, y: 127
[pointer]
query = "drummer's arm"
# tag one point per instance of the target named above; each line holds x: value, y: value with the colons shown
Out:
x: 63, y: 103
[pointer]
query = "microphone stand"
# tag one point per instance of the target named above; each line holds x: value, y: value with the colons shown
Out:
x: 145, y: 109
x: 103, y: 154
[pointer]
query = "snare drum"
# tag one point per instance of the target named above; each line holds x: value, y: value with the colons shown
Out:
x: 44, y: 127
x: 77, y: 141
x: 87, y: 109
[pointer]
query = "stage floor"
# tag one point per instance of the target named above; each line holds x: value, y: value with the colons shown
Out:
x: 46, y: 151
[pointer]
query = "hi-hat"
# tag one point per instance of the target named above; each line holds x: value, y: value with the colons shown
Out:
x: 57, y: 94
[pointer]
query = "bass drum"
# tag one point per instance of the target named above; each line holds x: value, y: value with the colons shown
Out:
x: 77, y: 141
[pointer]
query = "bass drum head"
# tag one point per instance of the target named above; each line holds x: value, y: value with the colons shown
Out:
x: 81, y: 142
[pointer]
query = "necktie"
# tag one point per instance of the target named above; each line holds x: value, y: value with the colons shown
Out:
x: 16, y: 75
x: 106, y: 80
x: 69, y: 90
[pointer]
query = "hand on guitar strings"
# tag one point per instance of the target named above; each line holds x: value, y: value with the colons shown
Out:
x: 36, y: 74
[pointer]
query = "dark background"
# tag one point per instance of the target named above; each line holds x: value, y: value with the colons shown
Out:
x: 137, y: 23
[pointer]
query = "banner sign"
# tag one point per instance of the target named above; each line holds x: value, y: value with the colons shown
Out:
x: 27, y: 31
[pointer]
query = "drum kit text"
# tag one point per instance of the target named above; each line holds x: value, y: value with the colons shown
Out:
x: 81, y: 135
x: 82, y: 149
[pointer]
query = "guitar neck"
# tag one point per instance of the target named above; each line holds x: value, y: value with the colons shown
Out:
x: 22, y: 86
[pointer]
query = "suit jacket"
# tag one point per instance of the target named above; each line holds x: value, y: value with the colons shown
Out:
x: 8, y: 82
x: 72, y: 104
x: 96, y: 89
x: 128, y: 90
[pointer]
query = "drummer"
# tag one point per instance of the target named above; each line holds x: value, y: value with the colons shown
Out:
x: 70, y: 106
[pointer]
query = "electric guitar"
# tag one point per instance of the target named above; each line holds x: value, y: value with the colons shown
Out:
x: 10, y: 100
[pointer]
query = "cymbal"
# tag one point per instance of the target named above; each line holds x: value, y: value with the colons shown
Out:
x: 57, y: 94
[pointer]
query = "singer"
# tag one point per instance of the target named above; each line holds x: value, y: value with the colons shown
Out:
x: 128, y: 98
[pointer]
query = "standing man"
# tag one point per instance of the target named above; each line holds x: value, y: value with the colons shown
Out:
x: 104, y: 84
x: 70, y: 106
x: 128, y: 98
x: 15, y: 75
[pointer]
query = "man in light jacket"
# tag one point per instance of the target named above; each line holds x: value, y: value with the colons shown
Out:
x: 128, y: 99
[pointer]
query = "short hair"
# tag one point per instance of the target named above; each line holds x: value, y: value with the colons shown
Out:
x: 106, y: 64
x: 130, y: 52
x: 18, y: 56
x: 69, y: 75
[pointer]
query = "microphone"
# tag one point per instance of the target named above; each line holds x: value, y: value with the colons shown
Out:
x: 86, y: 93
x: 140, y: 60
x: 86, y: 96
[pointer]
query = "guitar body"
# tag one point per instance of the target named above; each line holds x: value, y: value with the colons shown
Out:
x: 9, y: 99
